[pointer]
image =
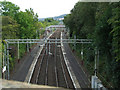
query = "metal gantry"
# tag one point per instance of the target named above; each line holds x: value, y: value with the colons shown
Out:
x: 16, y: 41
x: 29, y: 41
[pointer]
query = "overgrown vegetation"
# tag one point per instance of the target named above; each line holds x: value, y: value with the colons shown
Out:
x: 17, y: 24
x: 101, y: 23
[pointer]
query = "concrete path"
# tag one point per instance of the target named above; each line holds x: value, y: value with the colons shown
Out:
x: 25, y: 64
x: 23, y: 69
x: 79, y: 73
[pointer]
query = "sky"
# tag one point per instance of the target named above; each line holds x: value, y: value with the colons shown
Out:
x: 46, y: 8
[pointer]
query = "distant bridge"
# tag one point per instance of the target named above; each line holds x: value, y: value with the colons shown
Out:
x: 56, y: 27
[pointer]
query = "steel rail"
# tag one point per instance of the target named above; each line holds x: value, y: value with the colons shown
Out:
x: 72, y: 76
x: 63, y: 68
x: 55, y: 66
x: 40, y: 65
x: 47, y: 68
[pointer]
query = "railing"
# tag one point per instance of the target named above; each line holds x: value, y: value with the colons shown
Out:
x: 96, y: 84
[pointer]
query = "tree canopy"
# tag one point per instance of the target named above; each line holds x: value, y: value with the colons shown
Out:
x: 23, y: 24
x: 8, y: 8
x: 100, y: 22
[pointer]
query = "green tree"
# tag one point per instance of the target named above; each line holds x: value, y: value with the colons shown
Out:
x: 8, y: 9
x: 10, y: 28
x: 82, y: 19
x: 28, y: 23
x: 100, y: 22
x: 103, y: 39
x: 50, y: 21
x: 114, y: 21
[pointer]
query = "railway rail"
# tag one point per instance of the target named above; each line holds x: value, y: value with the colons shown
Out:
x: 50, y: 68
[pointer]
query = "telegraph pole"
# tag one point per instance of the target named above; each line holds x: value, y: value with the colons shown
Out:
x: 95, y: 61
x: 4, y: 62
x: 82, y: 52
x: 8, y: 60
x: 18, y: 51
x: 27, y: 46
x: 75, y: 42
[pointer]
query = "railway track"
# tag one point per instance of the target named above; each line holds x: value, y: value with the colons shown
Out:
x: 50, y: 68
